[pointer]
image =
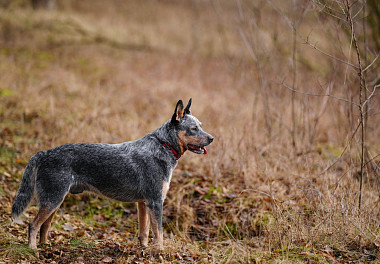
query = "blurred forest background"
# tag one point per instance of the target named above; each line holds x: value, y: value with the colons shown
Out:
x: 290, y: 90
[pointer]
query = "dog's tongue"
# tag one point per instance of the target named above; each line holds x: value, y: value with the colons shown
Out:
x: 204, y: 150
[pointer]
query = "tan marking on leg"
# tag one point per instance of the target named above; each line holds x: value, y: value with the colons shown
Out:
x: 165, y: 189
x: 143, y: 223
x: 44, y: 231
x: 42, y: 215
x: 157, y: 234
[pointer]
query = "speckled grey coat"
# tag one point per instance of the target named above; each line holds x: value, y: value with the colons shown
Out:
x: 129, y: 172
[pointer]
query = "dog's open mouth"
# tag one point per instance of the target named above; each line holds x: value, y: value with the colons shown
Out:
x: 196, y: 149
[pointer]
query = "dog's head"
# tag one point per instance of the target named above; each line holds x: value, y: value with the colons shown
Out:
x: 189, y: 130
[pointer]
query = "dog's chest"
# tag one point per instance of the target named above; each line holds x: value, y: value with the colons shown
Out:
x: 170, y: 174
x: 166, y: 184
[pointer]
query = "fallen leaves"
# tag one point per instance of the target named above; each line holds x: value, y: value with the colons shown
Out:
x: 207, y: 211
x: 107, y: 260
x: 68, y: 227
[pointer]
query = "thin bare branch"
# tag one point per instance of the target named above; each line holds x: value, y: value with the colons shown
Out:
x: 360, y: 10
x: 313, y: 94
x: 361, y: 231
x: 369, y: 66
x: 350, y: 169
x: 370, y: 96
x: 339, y: 18
x: 343, y: 151
x: 238, y: 3
x: 290, y: 24
x: 247, y: 45
x: 302, y: 15
x: 327, y: 54
x: 325, y: 6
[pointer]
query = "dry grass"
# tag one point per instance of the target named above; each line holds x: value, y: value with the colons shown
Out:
x: 96, y: 72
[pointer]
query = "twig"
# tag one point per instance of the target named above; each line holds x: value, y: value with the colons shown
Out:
x: 229, y: 232
x: 290, y: 24
x: 294, y: 26
x: 328, y: 55
x: 371, y: 160
x: 357, y: 13
x: 312, y: 94
x: 371, y: 95
x: 324, y: 6
x: 366, y: 68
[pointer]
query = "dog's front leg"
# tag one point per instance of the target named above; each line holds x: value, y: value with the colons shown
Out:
x: 143, y: 223
x: 155, y: 213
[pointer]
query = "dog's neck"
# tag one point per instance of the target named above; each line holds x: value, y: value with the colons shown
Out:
x: 167, y: 136
x: 170, y: 148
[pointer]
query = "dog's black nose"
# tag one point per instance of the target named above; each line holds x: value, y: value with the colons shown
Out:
x: 210, y: 139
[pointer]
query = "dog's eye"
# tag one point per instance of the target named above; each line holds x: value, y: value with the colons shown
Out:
x: 194, y: 128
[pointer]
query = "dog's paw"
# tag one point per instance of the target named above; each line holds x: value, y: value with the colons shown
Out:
x: 158, y: 248
x: 143, y: 243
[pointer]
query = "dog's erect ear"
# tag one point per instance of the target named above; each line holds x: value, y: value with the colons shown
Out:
x: 178, y: 112
x: 187, y: 109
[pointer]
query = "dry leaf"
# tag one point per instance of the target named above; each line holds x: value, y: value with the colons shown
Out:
x: 68, y: 227
x: 107, y: 260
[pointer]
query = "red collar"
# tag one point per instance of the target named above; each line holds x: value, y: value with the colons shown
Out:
x: 169, y: 147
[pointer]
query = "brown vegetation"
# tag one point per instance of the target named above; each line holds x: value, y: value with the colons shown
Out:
x: 281, y: 182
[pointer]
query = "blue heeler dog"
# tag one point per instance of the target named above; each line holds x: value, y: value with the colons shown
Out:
x: 136, y: 171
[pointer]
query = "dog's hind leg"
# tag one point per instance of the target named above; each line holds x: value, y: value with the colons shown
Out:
x: 155, y: 213
x: 50, y: 194
x: 143, y: 223
x: 45, y: 227
x: 43, y: 215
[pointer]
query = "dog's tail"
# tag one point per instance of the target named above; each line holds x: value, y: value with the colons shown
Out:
x: 26, y: 191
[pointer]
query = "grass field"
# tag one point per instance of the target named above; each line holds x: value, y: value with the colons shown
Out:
x: 281, y: 181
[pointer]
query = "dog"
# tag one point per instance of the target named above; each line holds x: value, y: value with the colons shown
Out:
x: 135, y: 171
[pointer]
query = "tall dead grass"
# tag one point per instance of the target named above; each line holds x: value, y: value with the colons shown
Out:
x: 96, y: 72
